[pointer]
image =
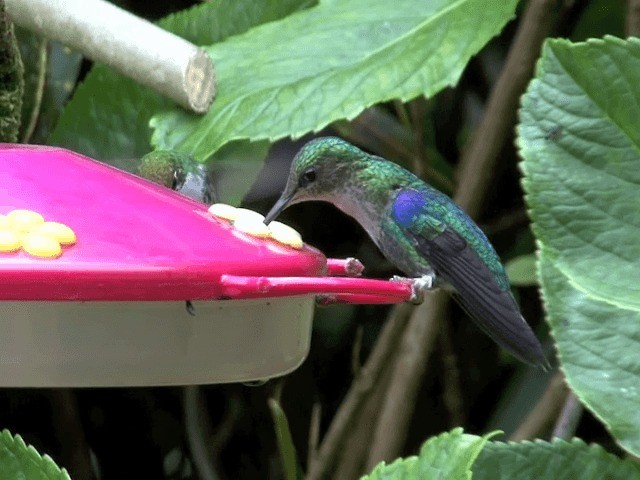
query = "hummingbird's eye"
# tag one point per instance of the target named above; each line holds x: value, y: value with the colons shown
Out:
x: 307, y: 177
x: 174, y: 181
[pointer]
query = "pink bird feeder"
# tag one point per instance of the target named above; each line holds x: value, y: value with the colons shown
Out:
x: 107, y: 279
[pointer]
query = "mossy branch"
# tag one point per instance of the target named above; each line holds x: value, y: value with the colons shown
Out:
x: 11, y: 80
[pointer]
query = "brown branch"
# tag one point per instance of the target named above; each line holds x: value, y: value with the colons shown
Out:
x: 417, y: 343
x: 75, y: 455
x: 379, y: 132
x: 569, y: 418
x: 39, y: 92
x: 480, y: 157
x: 477, y: 164
x: 314, y: 432
x: 452, y: 391
x: 205, y: 444
x: 383, y: 134
x: 402, y: 114
x: 361, y: 388
x: 417, y: 109
x: 356, y: 364
x: 198, y: 427
x: 541, y: 419
x: 632, y: 19
x: 351, y: 462
x: 515, y: 218
x: 224, y: 430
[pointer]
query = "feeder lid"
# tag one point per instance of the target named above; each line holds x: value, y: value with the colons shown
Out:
x: 134, y: 240
x: 72, y: 228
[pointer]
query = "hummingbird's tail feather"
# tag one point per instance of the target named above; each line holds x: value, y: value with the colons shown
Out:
x: 500, y: 327
x: 493, y: 309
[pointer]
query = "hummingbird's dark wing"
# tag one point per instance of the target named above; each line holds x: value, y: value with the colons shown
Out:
x: 493, y: 309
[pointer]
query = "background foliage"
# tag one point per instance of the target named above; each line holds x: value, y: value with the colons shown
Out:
x: 411, y: 82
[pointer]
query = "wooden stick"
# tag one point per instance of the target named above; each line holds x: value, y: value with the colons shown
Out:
x: 131, y: 45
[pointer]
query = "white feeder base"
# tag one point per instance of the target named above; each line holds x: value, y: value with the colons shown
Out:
x: 109, y: 344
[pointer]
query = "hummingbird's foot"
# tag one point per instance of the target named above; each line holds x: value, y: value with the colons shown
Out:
x: 419, y: 286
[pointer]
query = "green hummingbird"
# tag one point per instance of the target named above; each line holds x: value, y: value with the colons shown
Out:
x: 419, y: 229
x: 180, y: 172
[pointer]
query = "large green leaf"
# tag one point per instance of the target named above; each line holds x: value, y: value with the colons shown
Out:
x: 598, y: 347
x: 558, y: 460
x: 580, y: 141
x: 18, y: 460
x: 108, y: 116
x: 449, y: 455
x: 329, y: 63
x: 215, y: 21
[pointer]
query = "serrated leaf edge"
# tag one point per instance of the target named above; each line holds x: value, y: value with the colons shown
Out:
x: 9, y: 439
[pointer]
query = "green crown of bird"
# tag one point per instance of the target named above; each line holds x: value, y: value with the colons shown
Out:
x: 417, y: 228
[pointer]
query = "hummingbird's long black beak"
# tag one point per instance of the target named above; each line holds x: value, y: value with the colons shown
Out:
x: 278, y: 207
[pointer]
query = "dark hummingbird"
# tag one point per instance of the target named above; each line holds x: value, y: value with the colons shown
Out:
x: 419, y: 229
x: 180, y: 172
